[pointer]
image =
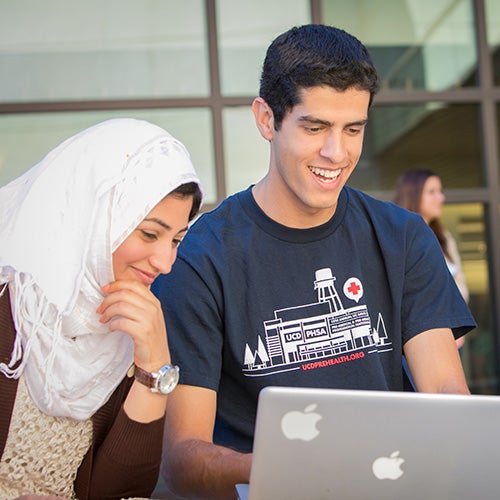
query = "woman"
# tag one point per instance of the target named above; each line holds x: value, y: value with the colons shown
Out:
x: 420, y: 190
x: 83, y: 235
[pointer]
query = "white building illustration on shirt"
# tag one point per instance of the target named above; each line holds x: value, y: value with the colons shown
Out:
x: 321, y: 330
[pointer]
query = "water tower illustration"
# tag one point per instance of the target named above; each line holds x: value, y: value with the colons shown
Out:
x: 324, y: 283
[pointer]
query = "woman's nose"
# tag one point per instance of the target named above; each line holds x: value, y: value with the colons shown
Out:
x: 163, y: 258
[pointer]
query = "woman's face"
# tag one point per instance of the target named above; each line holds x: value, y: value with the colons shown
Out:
x: 431, y: 203
x: 151, y: 248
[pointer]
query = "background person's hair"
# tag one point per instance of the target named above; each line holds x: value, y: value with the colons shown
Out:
x: 408, y: 194
x: 309, y: 56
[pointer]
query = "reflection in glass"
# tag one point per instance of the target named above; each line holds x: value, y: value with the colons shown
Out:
x: 498, y: 128
x: 443, y: 137
x: 245, y: 29
x: 492, y: 9
x: 56, y: 51
x: 466, y: 222
x: 25, y: 138
x: 246, y: 152
x: 415, y: 44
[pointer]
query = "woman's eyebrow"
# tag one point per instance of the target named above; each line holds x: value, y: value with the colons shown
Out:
x: 163, y: 224
x: 158, y: 221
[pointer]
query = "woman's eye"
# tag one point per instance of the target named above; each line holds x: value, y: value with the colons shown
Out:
x: 149, y: 236
x: 177, y: 242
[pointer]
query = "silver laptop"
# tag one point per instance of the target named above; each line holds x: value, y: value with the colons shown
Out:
x: 342, y: 444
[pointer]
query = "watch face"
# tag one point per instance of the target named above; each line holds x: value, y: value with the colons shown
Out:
x: 167, y: 379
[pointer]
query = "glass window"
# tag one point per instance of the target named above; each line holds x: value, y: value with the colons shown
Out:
x: 498, y: 130
x: 26, y: 138
x: 245, y: 30
x: 70, y: 50
x: 466, y: 223
x: 246, y: 152
x: 492, y: 8
x: 415, y: 44
x: 443, y: 137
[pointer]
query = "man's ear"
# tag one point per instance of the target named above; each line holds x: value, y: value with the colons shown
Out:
x: 264, y: 118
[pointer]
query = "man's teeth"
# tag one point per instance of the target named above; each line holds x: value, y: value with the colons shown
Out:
x: 327, y: 174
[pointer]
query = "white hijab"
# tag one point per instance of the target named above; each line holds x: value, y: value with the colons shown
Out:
x: 61, y: 221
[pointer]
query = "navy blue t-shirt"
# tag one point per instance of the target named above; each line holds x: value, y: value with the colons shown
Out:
x: 251, y: 303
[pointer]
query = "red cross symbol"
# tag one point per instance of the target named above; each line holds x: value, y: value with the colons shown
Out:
x: 353, y: 288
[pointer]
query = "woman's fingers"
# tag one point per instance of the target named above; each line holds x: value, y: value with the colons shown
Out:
x: 131, y: 307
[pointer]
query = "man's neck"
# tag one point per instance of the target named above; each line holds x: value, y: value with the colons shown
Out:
x: 286, y: 211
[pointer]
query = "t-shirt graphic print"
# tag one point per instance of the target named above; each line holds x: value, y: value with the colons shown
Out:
x: 318, y: 334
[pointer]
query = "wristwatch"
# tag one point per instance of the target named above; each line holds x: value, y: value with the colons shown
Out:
x: 163, y: 381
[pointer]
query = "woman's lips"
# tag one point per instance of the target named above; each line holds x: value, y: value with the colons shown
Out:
x: 145, y: 277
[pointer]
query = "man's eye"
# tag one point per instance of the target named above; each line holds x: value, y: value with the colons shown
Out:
x: 354, y: 131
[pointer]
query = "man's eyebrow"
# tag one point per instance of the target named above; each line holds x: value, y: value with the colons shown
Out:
x: 326, y: 123
x: 164, y: 224
x: 311, y: 119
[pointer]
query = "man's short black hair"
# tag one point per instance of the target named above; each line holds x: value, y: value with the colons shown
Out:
x: 309, y: 56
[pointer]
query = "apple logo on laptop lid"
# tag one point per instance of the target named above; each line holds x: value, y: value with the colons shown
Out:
x: 301, y: 424
x: 388, y: 467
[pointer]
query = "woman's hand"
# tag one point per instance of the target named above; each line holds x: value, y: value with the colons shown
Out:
x: 131, y: 307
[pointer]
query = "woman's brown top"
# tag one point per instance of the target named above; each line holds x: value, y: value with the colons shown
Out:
x: 124, y: 458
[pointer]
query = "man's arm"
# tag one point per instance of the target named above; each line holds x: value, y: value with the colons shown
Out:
x: 192, y: 465
x: 434, y: 362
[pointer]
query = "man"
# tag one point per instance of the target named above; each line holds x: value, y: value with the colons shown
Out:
x: 301, y: 280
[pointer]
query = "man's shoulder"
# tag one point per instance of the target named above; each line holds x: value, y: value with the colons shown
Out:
x: 380, y: 209
x: 223, y: 214
x: 215, y: 228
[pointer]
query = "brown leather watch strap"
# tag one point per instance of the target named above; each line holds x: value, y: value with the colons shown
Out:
x: 144, y: 377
